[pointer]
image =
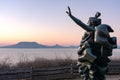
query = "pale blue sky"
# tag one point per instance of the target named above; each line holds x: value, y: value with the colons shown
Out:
x: 45, y: 21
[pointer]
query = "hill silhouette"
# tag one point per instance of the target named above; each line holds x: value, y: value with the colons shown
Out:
x: 34, y: 45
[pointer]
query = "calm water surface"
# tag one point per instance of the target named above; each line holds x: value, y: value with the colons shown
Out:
x: 15, y: 55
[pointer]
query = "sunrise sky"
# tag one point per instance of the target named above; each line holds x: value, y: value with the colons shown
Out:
x: 46, y: 21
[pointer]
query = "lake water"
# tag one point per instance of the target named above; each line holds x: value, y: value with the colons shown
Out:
x: 14, y: 55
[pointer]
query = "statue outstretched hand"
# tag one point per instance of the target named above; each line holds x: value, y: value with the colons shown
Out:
x: 69, y: 11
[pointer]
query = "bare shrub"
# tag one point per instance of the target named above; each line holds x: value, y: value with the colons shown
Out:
x: 6, y: 63
x: 25, y: 62
x: 44, y: 63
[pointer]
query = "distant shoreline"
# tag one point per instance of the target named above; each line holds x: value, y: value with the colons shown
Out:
x: 35, y: 45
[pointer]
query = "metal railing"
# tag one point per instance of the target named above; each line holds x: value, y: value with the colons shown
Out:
x: 53, y: 73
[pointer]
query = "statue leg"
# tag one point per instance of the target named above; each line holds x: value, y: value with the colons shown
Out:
x: 97, y: 73
x: 84, y: 70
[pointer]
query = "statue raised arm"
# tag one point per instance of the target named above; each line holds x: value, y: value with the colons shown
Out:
x: 79, y: 22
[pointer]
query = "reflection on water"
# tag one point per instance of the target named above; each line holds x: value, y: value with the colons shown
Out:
x: 50, y: 53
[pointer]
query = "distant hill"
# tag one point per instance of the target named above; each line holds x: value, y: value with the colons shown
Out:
x: 34, y: 45
x: 59, y: 46
x: 26, y: 45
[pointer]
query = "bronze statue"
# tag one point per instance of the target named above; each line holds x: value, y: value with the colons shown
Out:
x: 95, y: 48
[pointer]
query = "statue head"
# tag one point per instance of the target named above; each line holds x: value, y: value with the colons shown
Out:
x: 103, y: 37
x: 95, y: 21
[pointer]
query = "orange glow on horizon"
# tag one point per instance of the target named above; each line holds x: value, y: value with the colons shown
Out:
x: 46, y: 40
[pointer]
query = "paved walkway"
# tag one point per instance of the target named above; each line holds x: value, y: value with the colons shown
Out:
x: 110, y: 77
x: 113, y: 77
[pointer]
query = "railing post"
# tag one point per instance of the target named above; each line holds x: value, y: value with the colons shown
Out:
x: 31, y: 73
x: 71, y: 69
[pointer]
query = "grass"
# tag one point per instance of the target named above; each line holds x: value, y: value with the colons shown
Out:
x: 24, y: 62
